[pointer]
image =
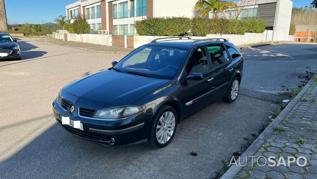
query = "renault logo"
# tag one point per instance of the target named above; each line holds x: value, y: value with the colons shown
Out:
x: 72, y: 109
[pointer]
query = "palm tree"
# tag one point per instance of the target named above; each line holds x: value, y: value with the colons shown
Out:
x: 61, y: 21
x: 314, y: 3
x: 3, y: 17
x: 204, y: 7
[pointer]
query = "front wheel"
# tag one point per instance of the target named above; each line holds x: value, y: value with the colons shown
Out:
x: 233, y: 92
x: 164, y: 127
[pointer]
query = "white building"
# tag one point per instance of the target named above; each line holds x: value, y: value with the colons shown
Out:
x: 118, y: 17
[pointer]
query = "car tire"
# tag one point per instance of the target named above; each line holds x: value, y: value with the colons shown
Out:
x: 163, y: 127
x: 233, y: 92
x: 18, y: 58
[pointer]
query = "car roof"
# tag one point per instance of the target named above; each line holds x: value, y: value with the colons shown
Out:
x: 4, y: 33
x: 187, y: 43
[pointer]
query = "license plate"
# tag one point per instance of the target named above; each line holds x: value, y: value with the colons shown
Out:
x: 4, y: 54
x: 74, y: 124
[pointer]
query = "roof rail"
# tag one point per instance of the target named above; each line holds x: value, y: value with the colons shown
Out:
x: 171, y: 38
x: 213, y: 39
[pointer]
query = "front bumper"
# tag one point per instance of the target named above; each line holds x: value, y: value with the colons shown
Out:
x: 12, y: 54
x: 108, y: 132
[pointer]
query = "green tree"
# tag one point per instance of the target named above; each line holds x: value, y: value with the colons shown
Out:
x: 204, y: 7
x: 314, y: 3
x: 80, y: 26
x: 61, y: 21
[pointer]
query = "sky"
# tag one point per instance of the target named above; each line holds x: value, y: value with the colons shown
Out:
x: 43, y: 11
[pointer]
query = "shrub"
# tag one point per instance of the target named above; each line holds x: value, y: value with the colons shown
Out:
x: 292, y: 29
x: 69, y: 27
x: 163, y: 26
x: 198, y: 26
x: 37, y: 29
x: 254, y: 25
x: 80, y: 26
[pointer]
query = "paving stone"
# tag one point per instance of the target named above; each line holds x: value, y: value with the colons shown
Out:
x: 292, y: 175
x: 310, y: 176
x: 299, y: 139
x: 275, y: 175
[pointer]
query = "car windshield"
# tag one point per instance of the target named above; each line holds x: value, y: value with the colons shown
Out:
x: 5, y: 38
x: 153, y: 61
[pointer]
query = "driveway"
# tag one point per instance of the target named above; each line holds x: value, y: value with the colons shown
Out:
x: 34, y: 146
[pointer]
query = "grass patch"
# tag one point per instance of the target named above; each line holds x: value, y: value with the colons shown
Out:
x: 301, y: 141
x: 278, y: 129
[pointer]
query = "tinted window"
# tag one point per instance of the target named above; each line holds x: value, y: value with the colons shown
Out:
x: 154, y: 61
x: 234, y: 53
x: 5, y: 38
x: 218, y: 54
x: 198, y: 62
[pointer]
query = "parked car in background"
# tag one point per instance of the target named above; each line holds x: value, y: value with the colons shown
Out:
x: 9, y: 48
x: 151, y: 90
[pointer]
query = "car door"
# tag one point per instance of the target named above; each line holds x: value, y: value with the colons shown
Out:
x: 195, y: 85
x: 220, y: 61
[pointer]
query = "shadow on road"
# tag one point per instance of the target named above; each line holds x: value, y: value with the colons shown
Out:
x: 28, y: 53
x: 213, y: 133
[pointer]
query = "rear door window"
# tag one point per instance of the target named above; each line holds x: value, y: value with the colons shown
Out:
x: 234, y: 53
x: 218, y: 54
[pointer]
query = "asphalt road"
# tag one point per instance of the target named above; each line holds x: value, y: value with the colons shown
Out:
x: 34, y: 146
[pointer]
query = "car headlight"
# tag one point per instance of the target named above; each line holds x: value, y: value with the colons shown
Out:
x: 118, y: 112
x: 16, y: 48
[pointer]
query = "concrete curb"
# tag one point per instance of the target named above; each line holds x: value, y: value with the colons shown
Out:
x: 233, y: 170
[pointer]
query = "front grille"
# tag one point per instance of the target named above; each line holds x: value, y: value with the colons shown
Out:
x: 6, y: 51
x: 66, y: 104
x: 87, y: 112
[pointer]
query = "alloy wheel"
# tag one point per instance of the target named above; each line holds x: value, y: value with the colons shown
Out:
x: 165, y: 127
x: 234, y: 90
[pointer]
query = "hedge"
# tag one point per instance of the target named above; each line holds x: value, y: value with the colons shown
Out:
x: 163, y: 26
x: 198, y: 26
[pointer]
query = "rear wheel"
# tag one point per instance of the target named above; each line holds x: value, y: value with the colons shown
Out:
x: 233, y: 92
x: 164, y: 127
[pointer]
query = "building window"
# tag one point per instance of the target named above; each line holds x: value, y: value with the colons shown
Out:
x: 115, y: 30
x: 115, y: 11
x: 124, y: 29
x: 141, y: 7
x: 132, y: 8
x: 74, y: 13
x: 249, y: 13
x: 132, y: 29
x: 123, y: 10
x: 98, y: 11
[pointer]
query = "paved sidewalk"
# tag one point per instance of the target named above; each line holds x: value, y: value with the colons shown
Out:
x: 293, y: 136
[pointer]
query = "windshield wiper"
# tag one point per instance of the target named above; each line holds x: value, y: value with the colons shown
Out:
x: 136, y: 73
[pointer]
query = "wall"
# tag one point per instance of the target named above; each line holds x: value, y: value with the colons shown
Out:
x: 247, y: 38
x: 174, y: 8
x: 282, y: 21
x: 99, y: 39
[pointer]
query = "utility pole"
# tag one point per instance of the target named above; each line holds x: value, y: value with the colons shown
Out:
x: 3, y: 17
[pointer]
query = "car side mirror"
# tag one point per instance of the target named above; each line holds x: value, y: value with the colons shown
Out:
x: 15, y: 40
x: 195, y: 76
x: 114, y: 63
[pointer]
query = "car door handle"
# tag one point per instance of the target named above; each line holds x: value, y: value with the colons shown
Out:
x: 210, y: 79
x: 230, y: 69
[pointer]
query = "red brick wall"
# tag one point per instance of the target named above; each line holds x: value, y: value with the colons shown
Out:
x: 118, y: 40
x: 305, y: 36
x: 103, y: 15
x: 131, y: 41
x: 149, y: 12
x: 110, y: 17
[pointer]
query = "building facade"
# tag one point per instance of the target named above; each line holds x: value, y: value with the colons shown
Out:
x: 275, y: 13
x: 118, y: 17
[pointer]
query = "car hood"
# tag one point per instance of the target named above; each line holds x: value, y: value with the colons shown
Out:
x: 8, y: 45
x: 110, y: 88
